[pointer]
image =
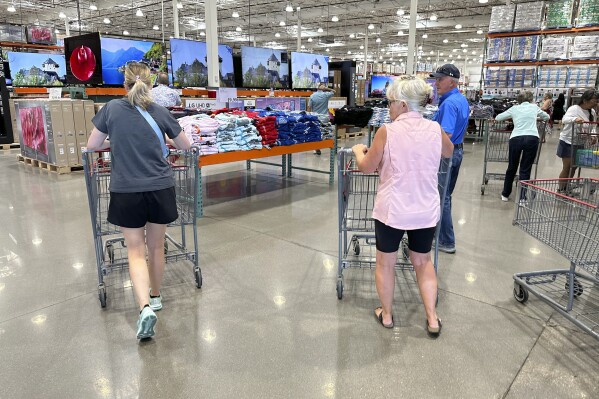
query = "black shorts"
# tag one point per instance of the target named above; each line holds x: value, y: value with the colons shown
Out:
x: 564, y: 150
x: 389, y: 238
x: 134, y: 210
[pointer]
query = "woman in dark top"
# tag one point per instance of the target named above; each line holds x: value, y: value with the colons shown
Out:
x: 558, y: 108
x: 142, y: 186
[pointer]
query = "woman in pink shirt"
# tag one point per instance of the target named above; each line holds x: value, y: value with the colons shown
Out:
x: 407, y: 154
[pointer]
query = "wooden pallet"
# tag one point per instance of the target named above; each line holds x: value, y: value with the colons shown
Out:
x: 61, y: 170
x: 10, y: 146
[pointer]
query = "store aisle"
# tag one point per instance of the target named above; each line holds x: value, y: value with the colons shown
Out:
x: 267, y: 322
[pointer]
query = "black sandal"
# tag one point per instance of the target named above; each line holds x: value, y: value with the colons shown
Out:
x: 379, y: 317
x: 433, y: 332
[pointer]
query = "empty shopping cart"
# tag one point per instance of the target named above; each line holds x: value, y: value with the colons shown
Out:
x: 497, y: 139
x: 356, y: 195
x: 110, y: 246
x: 570, y: 225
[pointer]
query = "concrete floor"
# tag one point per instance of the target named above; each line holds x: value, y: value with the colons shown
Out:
x: 267, y: 322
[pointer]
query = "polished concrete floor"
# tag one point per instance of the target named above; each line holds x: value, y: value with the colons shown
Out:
x: 267, y: 322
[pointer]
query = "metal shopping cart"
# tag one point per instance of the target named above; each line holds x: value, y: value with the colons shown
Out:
x: 585, y: 145
x: 570, y: 226
x: 356, y: 194
x: 497, y: 138
x: 110, y: 246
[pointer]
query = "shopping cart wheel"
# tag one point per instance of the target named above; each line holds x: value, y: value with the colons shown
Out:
x: 578, y: 290
x: 102, y: 295
x: 165, y: 247
x: 110, y: 252
x: 520, y: 293
x: 405, y: 252
x: 486, y: 181
x: 339, y: 289
x: 356, y: 248
x: 198, y: 276
x: 482, y: 189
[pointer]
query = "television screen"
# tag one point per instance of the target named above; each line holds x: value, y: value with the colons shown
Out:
x: 309, y: 70
x: 264, y: 68
x: 190, y: 64
x: 37, y: 69
x: 117, y: 52
x: 379, y: 84
x: 40, y: 35
x: 84, y: 59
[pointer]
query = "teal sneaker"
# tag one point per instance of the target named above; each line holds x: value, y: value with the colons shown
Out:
x: 146, y: 323
x: 155, y: 302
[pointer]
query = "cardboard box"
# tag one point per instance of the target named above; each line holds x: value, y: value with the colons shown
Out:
x: 80, y: 128
x: 13, y: 120
x: 58, y: 132
x: 89, y: 111
x: 69, y: 129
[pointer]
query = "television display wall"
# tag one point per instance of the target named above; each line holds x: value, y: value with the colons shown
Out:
x: 379, y: 85
x: 264, y: 68
x: 309, y: 70
x: 37, y: 69
x: 84, y: 59
x: 190, y: 64
x: 117, y: 52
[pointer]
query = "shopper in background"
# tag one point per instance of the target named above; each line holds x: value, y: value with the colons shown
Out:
x: 319, y: 102
x: 547, y: 107
x: 558, y: 108
x: 164, y: 95
x: 524, y: 140
x: 576, y: 114
x: 453, y: 117
x: 407, y: 154
x: 142, y: 186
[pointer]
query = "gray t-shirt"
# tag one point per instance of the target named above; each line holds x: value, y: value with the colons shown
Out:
x: 137, y: 163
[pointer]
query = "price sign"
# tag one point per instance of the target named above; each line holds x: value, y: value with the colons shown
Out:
x: 336, y: 104
x: 204, y: 104
x: 55, y: 93
x: 226, y: 94
x: 249, y: 103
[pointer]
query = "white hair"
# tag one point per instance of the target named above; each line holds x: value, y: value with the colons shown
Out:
x: 414, y: 91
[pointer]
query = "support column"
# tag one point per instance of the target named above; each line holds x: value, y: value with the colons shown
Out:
x: 175, y: 19
x: 66, y: 27
x: 366, y: 54
x: 410, y: 65
x: 299, y: 31
x: 212, y: 43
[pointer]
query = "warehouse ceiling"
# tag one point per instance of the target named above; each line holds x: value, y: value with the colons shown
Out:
x: 260, y: 23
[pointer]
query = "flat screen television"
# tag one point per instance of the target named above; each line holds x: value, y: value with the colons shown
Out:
x: 190, y: 64
x: 37, y: 69
x: 264, y: 68
x: 379, y: 85
x: 84, y: 59
x: 40, y: 35
x: 117, y: 52
x: 309, y: 70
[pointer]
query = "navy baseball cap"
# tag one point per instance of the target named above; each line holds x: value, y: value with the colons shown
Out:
x: 446, y: 70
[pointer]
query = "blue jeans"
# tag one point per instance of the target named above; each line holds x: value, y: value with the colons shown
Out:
x: 446, y: 236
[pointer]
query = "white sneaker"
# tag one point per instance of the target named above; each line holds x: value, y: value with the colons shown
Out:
x: 155, y: 303
x: 146, y: 323
x: 504, y: 199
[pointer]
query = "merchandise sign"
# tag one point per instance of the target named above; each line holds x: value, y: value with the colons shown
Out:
x: 236, y: 104
x: 205, y: 104
x: 249, y: 103
x: 226, y: 94
x: 336, y: 104
x: 55, y: 93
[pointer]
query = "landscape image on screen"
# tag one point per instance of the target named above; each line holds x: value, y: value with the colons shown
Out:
x: 117, y: 52
x: 190, y: 64
x: 309, y: 70
x: 264, y: 67
x: 379, y: 85
x: 37, y: 69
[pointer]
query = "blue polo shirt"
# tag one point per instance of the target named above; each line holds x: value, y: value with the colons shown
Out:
x: 453, y: 115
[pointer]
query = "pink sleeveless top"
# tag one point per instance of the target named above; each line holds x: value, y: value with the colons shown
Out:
x: 408, y: 197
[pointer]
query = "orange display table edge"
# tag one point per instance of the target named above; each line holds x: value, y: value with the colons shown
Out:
x: 286, y: 161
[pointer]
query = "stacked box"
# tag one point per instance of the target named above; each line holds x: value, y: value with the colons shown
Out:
x: 525, y: 48
x: 588, y: 13
x: 583, y: 76
x: 584, y: 47
x: 559, y: 14
x: 529, y: 16
x: 553, y: 76
x: 496, y: 77
x: 502, y: 19
x: 587, y: 158
x: 499, y: 49
x: 555, y: 48
x: 521, y: 78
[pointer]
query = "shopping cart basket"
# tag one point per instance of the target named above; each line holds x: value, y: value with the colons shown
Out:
x: 497, y: 139
x: 570, y: 225
x: 356, y: 194
x: 585, y: 145
x: 110, y: 246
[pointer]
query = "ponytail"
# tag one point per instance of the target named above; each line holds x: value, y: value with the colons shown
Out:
x: 137, y: 83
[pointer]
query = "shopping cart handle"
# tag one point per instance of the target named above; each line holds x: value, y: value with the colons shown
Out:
x: 346, y: 150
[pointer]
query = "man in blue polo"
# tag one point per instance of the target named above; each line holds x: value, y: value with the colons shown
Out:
x: 453, y: 118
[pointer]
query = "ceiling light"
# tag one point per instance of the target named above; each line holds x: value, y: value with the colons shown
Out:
x: 450, y: 55
x: 282, y: 23
x: 238, y: 29
x: 483, y: 1
x: 419, y: 47
x: 433, y: 17
x: 139, y: 13
x: 445, y: 41
x: 400, y: 12
x: 11, y: 8
x: 361, y: 47
x: 464, y: 50
x: 155, y: 27
x: 425, y: 36
x: 202, y: 34
x: 381, y: 57
x: 390, y: 58
x: 335, y: 18
x: 371, y: 26
x: 235, y: 14
x: 289, y: 8
x: 378, y: 40
x: 126, y: 33
x: 93, y: 7
x: 480, y: 32
x: 351, y: 35
x: 56, y: 31
x: 400, y: 33
x: 428, y: 58
x: 303, y: 47
x: 458, y: 26
x: 473, y: 52
x: 463, y: 45
x: 62, y: 15
x: 277, y: 34
x: 459, y: 56
x: 445, y: 61
x: 455, y: 50
x: 106, y: 21
x: 320, y: 30
x: 179, y: 5
x: 432, y: 52
x: 327, y: 50
x: 349, y: 52
x: 309, y: 40
x: 469, y: 62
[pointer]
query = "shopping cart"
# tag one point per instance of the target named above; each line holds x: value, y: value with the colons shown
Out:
x: 110, y: 246
x: 585, y: 145
x: 570, y: 225
x: 356, y: 194
x: 497, y: 138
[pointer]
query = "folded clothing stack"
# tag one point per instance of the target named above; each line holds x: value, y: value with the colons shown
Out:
x: 295, y: 127
x: 201, y: 131
x: 380, y: 116
x: 236, y: 133
x: 481, y: 111
x: 267, y: 128
x: 326, y: 127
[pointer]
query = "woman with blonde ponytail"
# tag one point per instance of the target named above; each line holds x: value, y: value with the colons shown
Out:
x: 142, y: 186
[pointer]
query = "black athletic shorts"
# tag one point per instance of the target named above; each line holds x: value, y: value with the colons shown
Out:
x: 564, y: 150
x: 134, y: 210
x: 388, y: 238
